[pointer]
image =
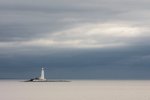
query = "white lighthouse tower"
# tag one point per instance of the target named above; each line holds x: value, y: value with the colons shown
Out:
x: 42, y: 77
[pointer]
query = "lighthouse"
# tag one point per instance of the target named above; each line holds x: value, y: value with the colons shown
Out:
x: 42, y: 77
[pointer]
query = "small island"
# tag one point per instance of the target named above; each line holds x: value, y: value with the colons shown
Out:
x: 43, y: 79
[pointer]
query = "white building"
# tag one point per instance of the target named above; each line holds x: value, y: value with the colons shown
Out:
x: 42, y: 77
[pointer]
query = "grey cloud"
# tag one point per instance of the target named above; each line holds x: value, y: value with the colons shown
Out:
x: 122, y: 63
x: 33, y: 20
x: 26, y: 20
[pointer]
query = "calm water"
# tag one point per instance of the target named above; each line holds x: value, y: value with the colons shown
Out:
x: 75, y: 90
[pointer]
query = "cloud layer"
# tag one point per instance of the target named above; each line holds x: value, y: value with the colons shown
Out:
x: 110, y: 36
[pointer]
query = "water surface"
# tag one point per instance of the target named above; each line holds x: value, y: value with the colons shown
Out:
x: 75, y: 90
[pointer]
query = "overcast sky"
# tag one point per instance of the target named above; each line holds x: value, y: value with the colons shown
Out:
x: 87, y: 39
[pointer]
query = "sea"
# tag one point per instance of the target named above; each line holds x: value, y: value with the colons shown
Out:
x: 75, y: 90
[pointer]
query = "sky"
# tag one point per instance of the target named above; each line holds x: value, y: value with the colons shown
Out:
x: 75, y: 39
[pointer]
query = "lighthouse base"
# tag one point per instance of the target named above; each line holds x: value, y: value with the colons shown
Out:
x: 35, y: 80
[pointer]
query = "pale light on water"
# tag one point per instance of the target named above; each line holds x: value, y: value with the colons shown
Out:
x: 75, y: 90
